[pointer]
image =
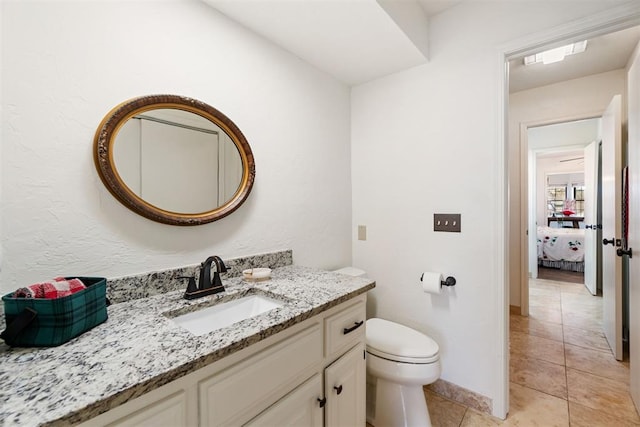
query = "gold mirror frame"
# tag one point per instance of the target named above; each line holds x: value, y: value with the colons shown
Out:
x: 103, y: 157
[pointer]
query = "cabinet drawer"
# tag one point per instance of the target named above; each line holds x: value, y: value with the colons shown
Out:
x: 239, y: 393
x: 344, y: 328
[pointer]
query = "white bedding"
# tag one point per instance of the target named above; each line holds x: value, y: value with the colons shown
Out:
x: 560, y: 244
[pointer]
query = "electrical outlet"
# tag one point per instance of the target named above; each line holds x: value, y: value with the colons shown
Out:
x: 446, y: 222
x: 362, y: 232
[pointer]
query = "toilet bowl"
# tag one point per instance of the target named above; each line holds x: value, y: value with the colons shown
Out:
x: 400, y: 361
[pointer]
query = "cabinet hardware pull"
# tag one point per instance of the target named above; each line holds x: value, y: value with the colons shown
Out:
x: 338, y: 389
x: 353, y: 328
x: 322, y: 402
x: 608, y: 242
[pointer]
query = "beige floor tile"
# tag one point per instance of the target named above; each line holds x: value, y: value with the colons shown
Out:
x: 473, y: 418
x: 443, y: 412
x: 586, y: 300
x: 607, y: 396
x: 544, y: 284
x: 535, y: 327
x: 596, y: 362
x: 582, y: 416
x: 536, y: 347
x: 538, y: 374
x: 585, y: 338
x: 533, y: 408
x: 547, y: 302
x: 545, y: 314
x: 552, y: 294
x: 585, y: 308
x: 574, y: 288
x: 594, y: 312
x: 582, y: 321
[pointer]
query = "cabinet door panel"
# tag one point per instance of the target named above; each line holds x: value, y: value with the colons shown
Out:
x: 237, y: 394
x: 298, y: 408
x: 345, y: 389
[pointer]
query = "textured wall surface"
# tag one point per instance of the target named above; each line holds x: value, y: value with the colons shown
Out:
x: 66, y: 64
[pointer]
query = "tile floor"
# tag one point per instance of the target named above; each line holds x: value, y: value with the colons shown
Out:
x: 561, y: 370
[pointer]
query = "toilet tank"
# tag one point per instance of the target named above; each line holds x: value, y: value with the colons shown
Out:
x: 352, y: 271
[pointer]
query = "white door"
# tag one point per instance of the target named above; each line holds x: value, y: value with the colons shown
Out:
x: 633, y: 86
x: 590, y: 215
x: 612, y: 224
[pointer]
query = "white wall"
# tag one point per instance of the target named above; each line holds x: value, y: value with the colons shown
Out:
x: 424, y: 141
x: 572, y: 99
x: 574, y: 133
x: 66, y: 64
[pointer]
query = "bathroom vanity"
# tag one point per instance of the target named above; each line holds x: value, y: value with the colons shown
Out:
x: 299, y: 364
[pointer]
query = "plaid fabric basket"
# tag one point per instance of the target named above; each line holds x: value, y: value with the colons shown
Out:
x: 37, y: 322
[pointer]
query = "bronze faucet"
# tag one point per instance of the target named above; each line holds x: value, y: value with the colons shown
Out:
x: 206, y: 286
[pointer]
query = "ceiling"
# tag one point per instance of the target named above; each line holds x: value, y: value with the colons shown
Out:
x: 361, y: 40
x: 605, y: 53
x: 354, y: 40
x: 433, y: 7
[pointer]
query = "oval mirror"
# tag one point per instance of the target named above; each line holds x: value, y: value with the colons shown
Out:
x: 174, y: 159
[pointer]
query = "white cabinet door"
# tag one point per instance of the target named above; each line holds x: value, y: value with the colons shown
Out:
x: 345, y: 389
x: 301, y: 407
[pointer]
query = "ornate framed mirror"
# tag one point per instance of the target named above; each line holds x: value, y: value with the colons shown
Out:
x: 174, y: 159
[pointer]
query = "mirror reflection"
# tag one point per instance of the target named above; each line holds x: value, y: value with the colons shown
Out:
x: 177, y: 160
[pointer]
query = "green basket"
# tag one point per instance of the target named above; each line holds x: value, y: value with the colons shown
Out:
x: 39, y: 322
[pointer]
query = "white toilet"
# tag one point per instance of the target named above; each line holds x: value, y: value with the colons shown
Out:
x: 400, y: 360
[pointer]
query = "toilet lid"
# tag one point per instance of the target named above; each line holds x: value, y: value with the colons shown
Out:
x: 398, y: 342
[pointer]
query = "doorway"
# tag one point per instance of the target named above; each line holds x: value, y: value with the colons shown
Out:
x: 595, y: 26
x: 562, y: 201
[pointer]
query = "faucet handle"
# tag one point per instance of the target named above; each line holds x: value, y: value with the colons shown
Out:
x: 191, y: 287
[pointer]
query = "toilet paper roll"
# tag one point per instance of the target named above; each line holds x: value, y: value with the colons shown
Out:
x: 431, y: 282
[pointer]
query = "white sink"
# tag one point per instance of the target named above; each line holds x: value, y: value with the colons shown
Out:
x: 224, y: 314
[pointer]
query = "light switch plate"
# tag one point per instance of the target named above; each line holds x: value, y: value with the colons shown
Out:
x: 362, y: 232
x: 446, y: 222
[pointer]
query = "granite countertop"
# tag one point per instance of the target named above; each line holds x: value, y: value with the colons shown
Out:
x: 139, y: 348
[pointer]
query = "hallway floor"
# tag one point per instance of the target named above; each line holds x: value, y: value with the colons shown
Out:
x: 561, y: 369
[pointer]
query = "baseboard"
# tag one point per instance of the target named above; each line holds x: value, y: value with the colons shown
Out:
x: 462, y: 395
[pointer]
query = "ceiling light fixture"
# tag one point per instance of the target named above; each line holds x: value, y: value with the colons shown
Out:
x: 557, y: 54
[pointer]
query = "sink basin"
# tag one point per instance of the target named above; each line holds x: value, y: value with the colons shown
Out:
x: 224, y: 314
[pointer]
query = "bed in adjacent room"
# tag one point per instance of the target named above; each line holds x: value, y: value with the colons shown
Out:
x: 561, y: 248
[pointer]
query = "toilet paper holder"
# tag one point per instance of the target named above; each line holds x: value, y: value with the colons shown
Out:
x: 449, y: 281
